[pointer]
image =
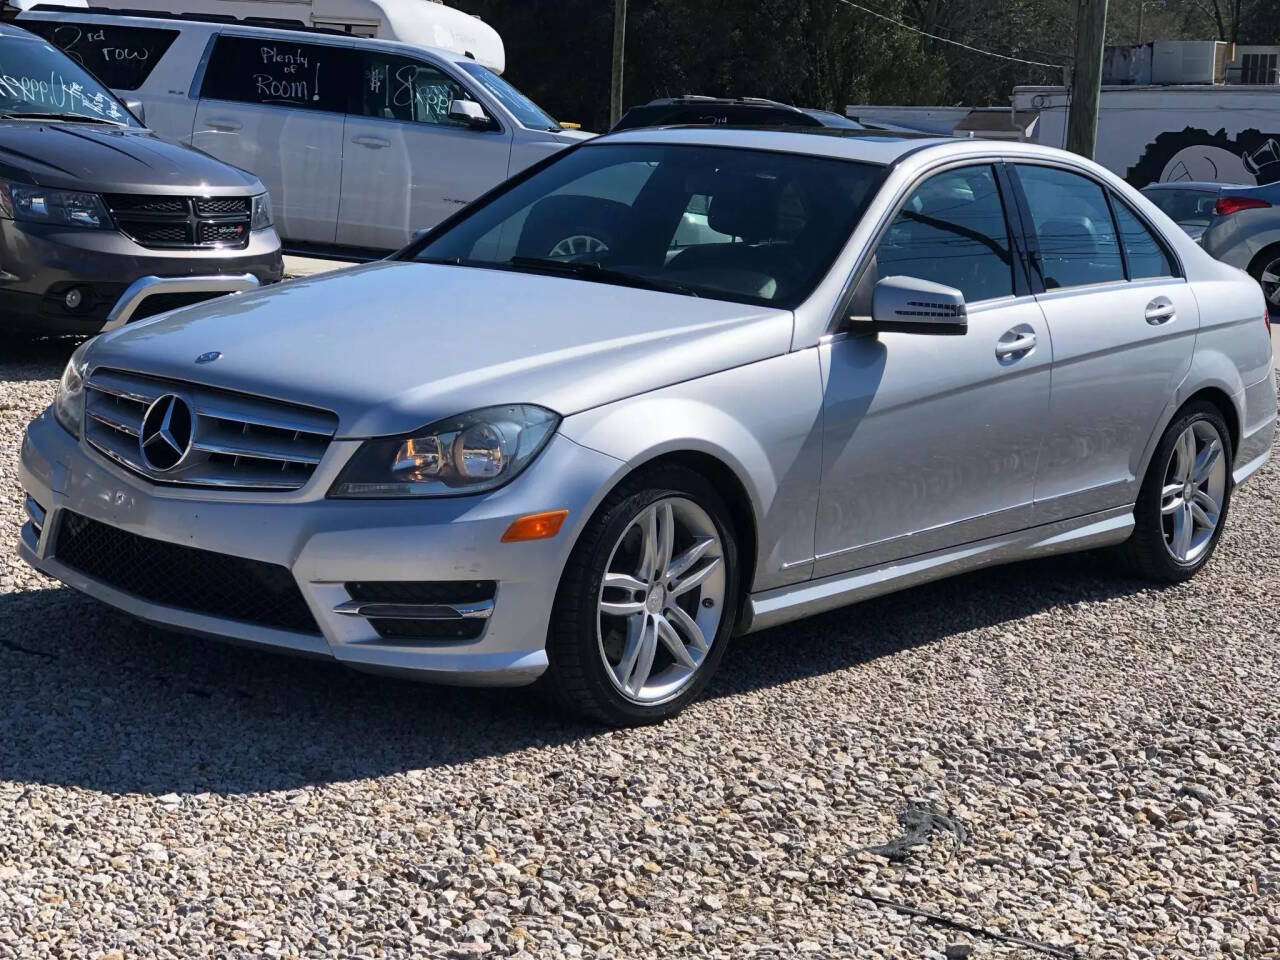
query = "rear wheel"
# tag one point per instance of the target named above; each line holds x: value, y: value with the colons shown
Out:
x: 1182, y: 506
x: 647, y: 601
x: 1265, y: 268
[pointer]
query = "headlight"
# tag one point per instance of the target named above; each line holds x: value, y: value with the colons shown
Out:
x: 68, y: 402
x: 67, y: 208
x: 471, y: 453
x: 261, y: 217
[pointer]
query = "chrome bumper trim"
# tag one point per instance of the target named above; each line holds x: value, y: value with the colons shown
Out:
x: 416, y: 611
x: 35, y: 513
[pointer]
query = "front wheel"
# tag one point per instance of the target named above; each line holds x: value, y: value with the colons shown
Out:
x: 1182, y: 506
x: 647, y: 602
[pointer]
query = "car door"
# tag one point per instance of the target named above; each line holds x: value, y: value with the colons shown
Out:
x: 1123, y: 324
x: 277, y: 108
x: 930, y: 441
x: 406, y: 164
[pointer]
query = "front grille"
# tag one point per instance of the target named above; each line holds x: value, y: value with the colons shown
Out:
x: 237, y: 441
x: 184, y: 578
x: 182, y: 221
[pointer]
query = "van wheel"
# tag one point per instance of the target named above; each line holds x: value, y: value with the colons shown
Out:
x: 647, y: 601
x: 1182, y: 506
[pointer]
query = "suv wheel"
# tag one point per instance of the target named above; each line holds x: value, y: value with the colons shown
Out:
x: 647, y: 601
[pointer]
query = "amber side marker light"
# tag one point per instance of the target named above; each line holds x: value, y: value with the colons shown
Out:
x: 536, y: 526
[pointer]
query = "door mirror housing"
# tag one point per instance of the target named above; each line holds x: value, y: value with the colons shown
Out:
x: 911, y: 305
x: 137, y: 109
x: 468, y: 112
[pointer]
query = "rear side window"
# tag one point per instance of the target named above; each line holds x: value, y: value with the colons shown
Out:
x: 398, y: 88
x: 308, y: 76
x: 121, y: 57
x: 952, y: 230
x: 1144, y: 254
x: 1072, y: 224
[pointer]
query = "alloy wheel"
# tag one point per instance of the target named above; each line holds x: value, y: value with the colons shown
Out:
x: 578, y: 245
x: 1270, y: 281
x: 661, y: 600
x: 1195, y: 485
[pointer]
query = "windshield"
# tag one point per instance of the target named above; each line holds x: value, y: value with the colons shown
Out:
x: 37, y: 79
x: 733, y: 224
x: 521, y: 107
x: 1184, y: 206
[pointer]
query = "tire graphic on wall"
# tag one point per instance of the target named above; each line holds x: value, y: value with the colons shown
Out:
x: 1192, y: 154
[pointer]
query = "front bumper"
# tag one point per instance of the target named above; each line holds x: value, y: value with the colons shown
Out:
x: 38, y: 264
x: 328, y: 543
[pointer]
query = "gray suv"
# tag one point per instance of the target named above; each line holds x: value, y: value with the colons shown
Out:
x: 101, y: 221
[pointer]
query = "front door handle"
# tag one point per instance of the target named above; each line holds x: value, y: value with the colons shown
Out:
x: 230, y: 126
x: 1160, y: 310
x: 377, y: 143
x: 1014, y: 343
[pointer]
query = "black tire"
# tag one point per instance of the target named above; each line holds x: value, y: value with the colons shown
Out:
x: 1145, y: 553
x: 1264, y: 259
x: 576, y: 678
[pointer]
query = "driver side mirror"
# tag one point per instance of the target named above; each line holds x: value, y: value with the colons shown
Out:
x: 911, y: 305
x: 137, y: 109
x: 468, y: 112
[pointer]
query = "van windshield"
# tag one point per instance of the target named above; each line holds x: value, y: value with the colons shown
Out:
x: 522, y: 108
x: 41, y: 82
x: 750, y: 226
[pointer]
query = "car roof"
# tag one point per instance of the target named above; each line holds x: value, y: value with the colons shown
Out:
x: 872, y: 146
x: 1191, y: 185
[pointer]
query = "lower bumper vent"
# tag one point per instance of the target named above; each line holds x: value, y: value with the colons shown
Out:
x: 185, y: 578
x: 442, y: 610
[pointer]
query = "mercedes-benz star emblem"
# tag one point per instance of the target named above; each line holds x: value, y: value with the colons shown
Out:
x: 209, y: 357
x: 166, y: 431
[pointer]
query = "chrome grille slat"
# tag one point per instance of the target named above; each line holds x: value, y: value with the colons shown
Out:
x: 238, y: 441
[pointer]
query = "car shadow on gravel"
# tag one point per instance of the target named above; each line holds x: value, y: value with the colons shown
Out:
x: 35, y: 358
x: 93, y: 699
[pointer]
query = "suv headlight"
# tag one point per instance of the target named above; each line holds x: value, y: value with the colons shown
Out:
x: 260, y: 219
x: 67, y: 208
x: 471, y: 453
x: 68, y: 402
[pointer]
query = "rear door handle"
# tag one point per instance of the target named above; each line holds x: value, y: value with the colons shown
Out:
x: 1160, y: 310
x: 377, y: 143
x: 1021, y: 343
x: 227, y: 125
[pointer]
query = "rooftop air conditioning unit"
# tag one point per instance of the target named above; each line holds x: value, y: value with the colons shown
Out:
x: 1188, y: 61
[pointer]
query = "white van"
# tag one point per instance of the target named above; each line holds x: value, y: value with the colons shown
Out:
x: 360, y: 141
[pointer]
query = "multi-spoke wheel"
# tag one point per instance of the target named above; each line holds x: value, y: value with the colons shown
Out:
x: 578, y: 245
x: 1265, y: 268
x: 1182, y: 506
x: 647, y: 600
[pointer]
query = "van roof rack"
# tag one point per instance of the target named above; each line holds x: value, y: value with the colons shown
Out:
x: 274, y: 23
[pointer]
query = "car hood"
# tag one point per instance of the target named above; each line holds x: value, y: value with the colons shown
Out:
x: 113, y: 160
x: 392, y: 346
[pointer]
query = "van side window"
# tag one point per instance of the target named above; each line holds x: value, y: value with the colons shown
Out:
x: 306, y: 76
x: 121, y: 57
x: 952, y: 230
x: 1144, y: 254
x: 398, y: 88
x: 1072, y: 224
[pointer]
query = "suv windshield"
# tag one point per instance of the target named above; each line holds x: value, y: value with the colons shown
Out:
x: 38, y: 81
x: 521, y: 107
x: 743, y: 225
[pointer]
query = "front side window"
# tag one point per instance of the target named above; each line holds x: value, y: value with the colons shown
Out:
x: 398, y: 88
x: 522, y: 108
x: 1076, y: 239
x: 121, y: 57
x: 307, y: 76
x: 742, y: 225
x: 1144, y: 254
x: 952, y: 230
x: 40, y: 81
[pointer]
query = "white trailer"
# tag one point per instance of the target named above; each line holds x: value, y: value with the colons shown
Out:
x: 425, y: 23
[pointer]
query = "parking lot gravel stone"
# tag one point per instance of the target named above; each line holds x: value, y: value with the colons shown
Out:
x: 1109, y: 750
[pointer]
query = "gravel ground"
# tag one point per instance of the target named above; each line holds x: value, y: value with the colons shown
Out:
x: 1108, y: 753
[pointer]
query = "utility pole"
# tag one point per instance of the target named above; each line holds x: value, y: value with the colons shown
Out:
x: 1141, y: 4
x: 619, y: 49
x: 1086, y: 78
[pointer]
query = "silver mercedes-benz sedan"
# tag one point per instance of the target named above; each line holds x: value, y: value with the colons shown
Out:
x: 561, y: 439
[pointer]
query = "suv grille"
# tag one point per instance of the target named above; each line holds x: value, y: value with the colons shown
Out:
x: 185, y: 578
x: 182, y: 221
x: 236, y: 440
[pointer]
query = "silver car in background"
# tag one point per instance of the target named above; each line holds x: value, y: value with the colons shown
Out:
x: 483, y: 461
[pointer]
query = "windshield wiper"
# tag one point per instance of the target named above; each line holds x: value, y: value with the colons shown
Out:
x: 77, y: 117
x: 588, y: 270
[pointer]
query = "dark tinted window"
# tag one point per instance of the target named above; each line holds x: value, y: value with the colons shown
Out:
x: 952, y: 230
x: 1184, y: 206
x: 398, y: 88
x: 742, y: 225
x: 1072, y: 222
x: 1142, y: 251
x: 121, y: 57
x: 307, y: 75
